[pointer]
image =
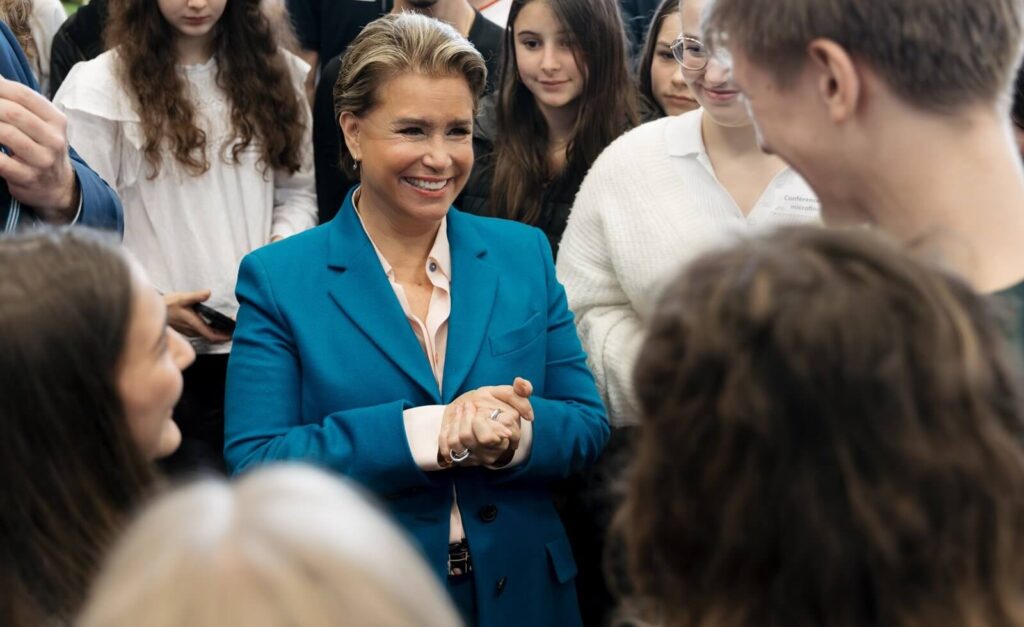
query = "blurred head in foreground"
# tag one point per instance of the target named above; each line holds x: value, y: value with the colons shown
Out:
x: 283, y: 546
x: 831, y: 436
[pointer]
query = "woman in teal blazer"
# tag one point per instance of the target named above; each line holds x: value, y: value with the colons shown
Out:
x: 335, y: 357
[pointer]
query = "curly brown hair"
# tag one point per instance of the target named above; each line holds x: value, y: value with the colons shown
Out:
x: 252, y: 70
x: 831, y: 437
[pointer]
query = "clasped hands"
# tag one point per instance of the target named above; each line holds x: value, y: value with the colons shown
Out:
x: 471, y: 430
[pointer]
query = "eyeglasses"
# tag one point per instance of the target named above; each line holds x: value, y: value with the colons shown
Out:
x: 693, y: 55
x: 690, y: 52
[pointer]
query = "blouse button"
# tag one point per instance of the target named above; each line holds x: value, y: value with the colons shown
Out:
x: 433, y: 266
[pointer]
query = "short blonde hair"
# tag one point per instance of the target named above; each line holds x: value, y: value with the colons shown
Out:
x: 283, y: 546
x: 402, y: 43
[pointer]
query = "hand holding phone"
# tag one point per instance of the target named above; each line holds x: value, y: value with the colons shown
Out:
x: 183, y: 317
x: 215, y: 319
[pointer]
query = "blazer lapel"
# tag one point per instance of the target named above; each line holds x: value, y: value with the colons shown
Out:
x: 361, y: 290
x: 474, y: 292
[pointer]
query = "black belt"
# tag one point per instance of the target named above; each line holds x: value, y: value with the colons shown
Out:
x: 459, y: 561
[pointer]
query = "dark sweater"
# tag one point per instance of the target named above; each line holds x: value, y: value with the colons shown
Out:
x: 80, y: 38
x: 557, y: 196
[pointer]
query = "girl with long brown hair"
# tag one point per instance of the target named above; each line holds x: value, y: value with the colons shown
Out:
x: 91, y: 373
x: 565, y: 93
x: 198, y: 118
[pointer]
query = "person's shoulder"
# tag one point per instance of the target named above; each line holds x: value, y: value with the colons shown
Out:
x: 297, y: 67
x: 12, y: 58
x: 486, y: 33
x: 504, y: 233
x: 299, y: 249
x: 100, y: 72
x: 93, y: 87
x: 646, y: 133
x: 635, y: 149
x: 329, y: 72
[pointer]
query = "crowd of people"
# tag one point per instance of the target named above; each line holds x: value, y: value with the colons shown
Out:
x: 694, y: 313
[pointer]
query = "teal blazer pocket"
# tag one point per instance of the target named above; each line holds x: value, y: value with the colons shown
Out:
x: 560, y: 553
x: 508, y: 341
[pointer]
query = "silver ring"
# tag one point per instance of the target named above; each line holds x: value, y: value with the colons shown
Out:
x: 460, y: 457
x: 494, y: 414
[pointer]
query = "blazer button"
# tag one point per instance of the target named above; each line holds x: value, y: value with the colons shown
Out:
x: 488, y: 513
x: 500, y: 587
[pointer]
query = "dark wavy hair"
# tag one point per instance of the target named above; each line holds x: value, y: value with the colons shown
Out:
x: 831, y: 437
x: 69, y: 468
x: 265, y: 107
x: 608, y: 107
x: 650, y: 104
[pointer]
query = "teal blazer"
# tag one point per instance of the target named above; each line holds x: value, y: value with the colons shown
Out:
x: 324, y: 362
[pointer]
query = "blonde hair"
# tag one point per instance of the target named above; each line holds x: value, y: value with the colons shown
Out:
x: 283, y: 546
x: 402, y: 43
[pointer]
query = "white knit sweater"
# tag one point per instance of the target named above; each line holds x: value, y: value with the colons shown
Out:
x: 649, y: 205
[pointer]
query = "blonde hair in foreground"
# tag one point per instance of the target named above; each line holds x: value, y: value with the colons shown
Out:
x: 284, y: 546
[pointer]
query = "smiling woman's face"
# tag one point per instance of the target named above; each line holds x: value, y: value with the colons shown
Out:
x: 149, y: 378
x: 712, y: 86
x: 414, y: 147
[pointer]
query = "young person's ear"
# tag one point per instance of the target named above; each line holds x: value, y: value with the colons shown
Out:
x: 350, y: 129
x: 838, y: 84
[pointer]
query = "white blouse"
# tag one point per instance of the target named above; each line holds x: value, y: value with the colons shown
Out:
x: 189, y: 232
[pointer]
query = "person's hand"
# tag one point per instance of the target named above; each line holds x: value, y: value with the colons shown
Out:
x: 35, y: 162
x: 468, y: 424
x: 472, y: 429
x: 186, y: 321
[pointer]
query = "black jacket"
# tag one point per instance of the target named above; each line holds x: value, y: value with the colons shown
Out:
x: 80, y: 38
x: 557, y: 196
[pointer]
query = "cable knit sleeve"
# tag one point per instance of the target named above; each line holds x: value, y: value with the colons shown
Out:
x: 609, y: 327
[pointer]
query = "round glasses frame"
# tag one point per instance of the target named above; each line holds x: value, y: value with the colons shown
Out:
x: 690, y: 52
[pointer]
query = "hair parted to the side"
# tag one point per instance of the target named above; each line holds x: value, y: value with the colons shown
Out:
x: 608, y: 107
x: 266, y: 109
x: 283, y: 546
x: 650, y: 103
x: 831, y: 437
x: 397, y: 44
x: 939, y: 55
x: 68, y: 464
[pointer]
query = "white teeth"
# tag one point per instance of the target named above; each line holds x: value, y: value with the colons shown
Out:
x: 431, y: 186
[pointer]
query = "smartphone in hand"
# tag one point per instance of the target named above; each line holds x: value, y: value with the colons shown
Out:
x: 214, y: 319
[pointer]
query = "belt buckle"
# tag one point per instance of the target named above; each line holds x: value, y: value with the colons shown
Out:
x: 459, y: 562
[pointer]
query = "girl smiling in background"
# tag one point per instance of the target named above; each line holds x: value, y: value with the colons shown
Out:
x: 560, y: 102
